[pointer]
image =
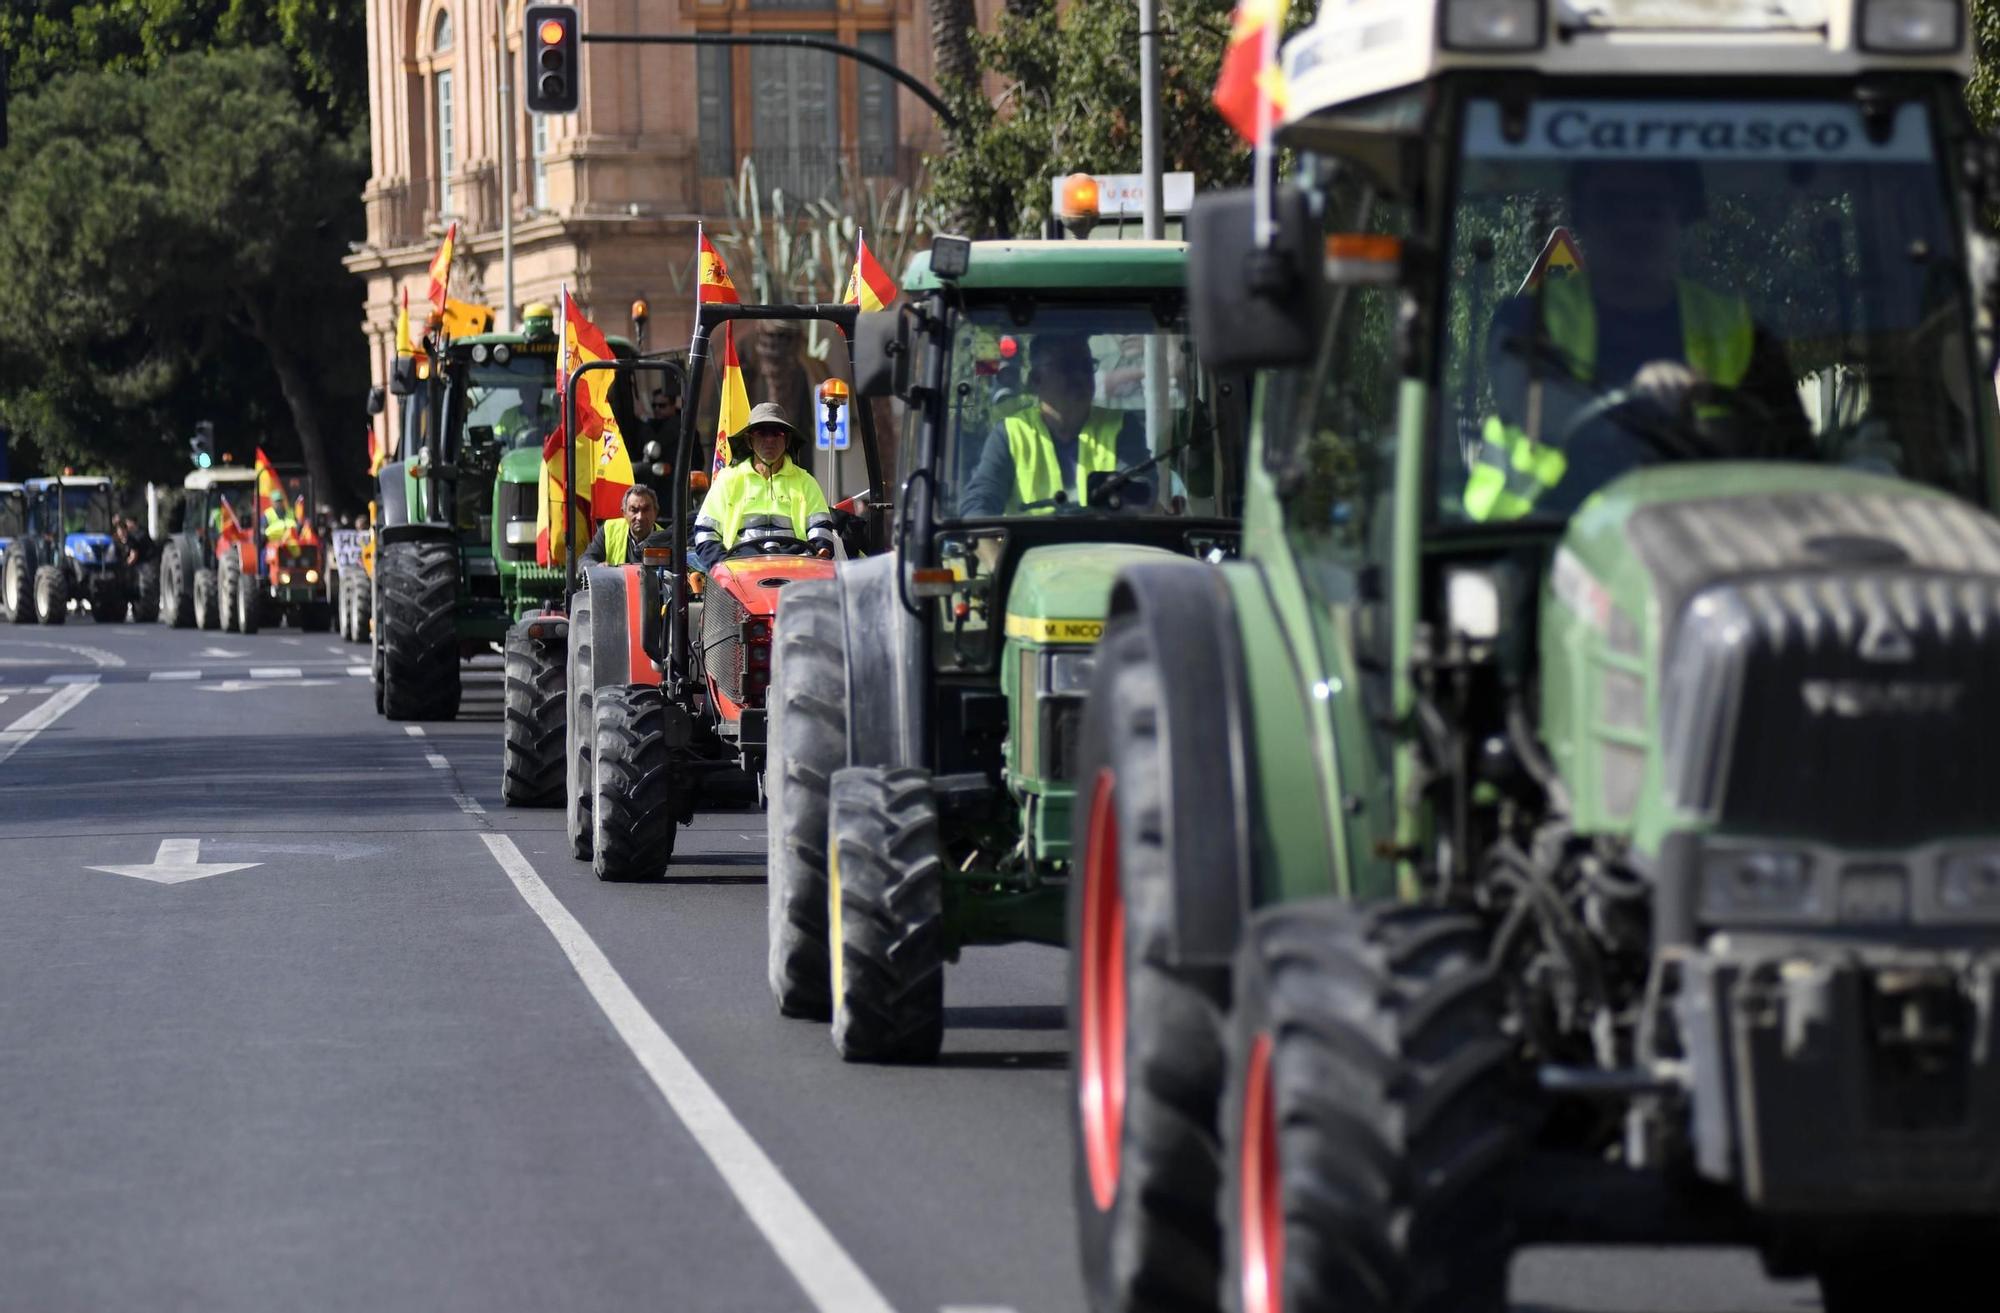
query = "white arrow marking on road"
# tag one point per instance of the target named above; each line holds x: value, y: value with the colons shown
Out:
x: 222, y: 652
x: 247, y: 685
x: 179, y: 861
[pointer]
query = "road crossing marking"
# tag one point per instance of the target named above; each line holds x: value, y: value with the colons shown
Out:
x: 25, y: 690
x: 437, y: 761
x: 73, y: 678
x: 830, y: 1278
x: 167, y: 676
x: 22, y: 732
x: 359, y: 672
x: 414, y: 731
x: 276, y: 672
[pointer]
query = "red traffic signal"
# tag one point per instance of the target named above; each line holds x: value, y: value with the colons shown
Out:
x: 553, y: 59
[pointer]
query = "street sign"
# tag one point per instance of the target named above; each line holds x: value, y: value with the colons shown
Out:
x: 1123, y: 195
x: 833, y: 433
x: 178, y: 861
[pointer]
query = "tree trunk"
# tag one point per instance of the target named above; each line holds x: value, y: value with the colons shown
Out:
x: 952, y: 25
x: 328, y: 489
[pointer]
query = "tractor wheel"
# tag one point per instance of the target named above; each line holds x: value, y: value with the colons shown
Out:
x: 177, y: 609
x: 632, y: 824
x: 343, y: 611
x: 245, y: 590
x: 419, y: 633
x: 147, y: 608
x: 1146, y: 1037
x: 531, y: 745
x: 885, y: 914
x: 207, y: 601
x: 226, y: 572
x: 17, y: 588
x: 1370, y: 1131
x: 108, y: 602
x: 576, y: 741
x: 51, y: 595
x: 808, y: 743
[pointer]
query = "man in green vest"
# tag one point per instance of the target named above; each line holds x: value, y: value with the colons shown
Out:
x: 1698, y: 377
x: 614, y: 541
x: 764, y: 491
x: 1043, y: 451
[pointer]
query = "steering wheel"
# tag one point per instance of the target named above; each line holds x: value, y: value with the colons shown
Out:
x: 770, y: 544
x: 1682, y: 437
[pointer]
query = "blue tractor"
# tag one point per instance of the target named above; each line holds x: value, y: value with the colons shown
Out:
x: 67, y: 553
x: 13, y: 518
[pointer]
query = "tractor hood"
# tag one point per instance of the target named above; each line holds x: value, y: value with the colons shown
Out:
x: 521, y: 465
x: 88, y: 548
x: 1060, y: 593
x: 1778, y: 650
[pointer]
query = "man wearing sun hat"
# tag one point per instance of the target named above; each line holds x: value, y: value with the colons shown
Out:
x: 763, y: 490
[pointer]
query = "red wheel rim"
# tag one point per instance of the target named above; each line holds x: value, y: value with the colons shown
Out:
x: 1261, y: 1223
x: 1101, y: 1088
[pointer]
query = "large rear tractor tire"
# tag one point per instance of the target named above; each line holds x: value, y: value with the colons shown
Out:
x: 17, y: 588
x: 177, y: 608
x: 577, y: 744
x: 207, y: 601
x: 146, y: 609
x: 632, y: 803
x: 51, y: 595
x: 1371, y: 1132
x: 1146, y: 1036
x: 885, y: 915
x: 419, y: 630
x: 537, y: 703
x: 808, y: 743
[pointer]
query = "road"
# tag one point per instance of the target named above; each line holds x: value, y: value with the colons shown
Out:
x: 405, y: 1054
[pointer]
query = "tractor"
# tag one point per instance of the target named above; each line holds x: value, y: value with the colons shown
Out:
x: 666, y: 686
x: 279, y: 572
x: 67, y: 552
x: 925, y: 703
x: 13, y: 522
x: 454, y: 549
x: 1568, y: 821
x: 212, y: 549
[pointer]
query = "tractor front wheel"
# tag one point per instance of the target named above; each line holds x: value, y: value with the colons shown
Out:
x: 51, y: 595
x: 808, y: 743
x: 146, y: 608
x: 17, y: 588
x: 177, y: 609
x: 419, y: 630
x: 632, y: 808
x: 207, y: 601
x: 577, y: 744
x: 1371, y: 1133
x: 885, y: 914
x: 537, y: 702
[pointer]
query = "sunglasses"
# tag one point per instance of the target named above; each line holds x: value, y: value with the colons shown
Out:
x: 1066, y: 368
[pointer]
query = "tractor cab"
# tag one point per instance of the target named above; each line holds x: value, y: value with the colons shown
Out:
x: 13, y: 513
x: 74, y: 512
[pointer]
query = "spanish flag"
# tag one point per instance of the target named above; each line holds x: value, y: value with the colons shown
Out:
x: 1250, y: 89
x: 583, y: 342
x: 267, y: 480
x: 734, y: 409
x: 551, y: 525
x: 869, y: 285
x: 404, y: 345
x: 441, y: 268
x: 714, y: 286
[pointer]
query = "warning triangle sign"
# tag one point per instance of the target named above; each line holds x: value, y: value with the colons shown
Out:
x: 1559, y: 256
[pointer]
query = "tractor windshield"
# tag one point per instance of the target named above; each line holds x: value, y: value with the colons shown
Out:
x: 1079, y: 410
x: 13, y: 518
x: 86, y: 508
x: 516, y: 401
x: 1634, y: 282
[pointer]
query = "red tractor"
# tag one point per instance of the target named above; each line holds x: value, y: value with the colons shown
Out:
x: 667, y: 668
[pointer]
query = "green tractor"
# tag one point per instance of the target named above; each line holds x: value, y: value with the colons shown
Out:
x: 1569, y: 821
x: 925, y: 703
x: 454, y: 550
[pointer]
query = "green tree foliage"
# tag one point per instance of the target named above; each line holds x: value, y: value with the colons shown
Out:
x: 1069, y: 101
x: 172, y: 243
x: 1984, y: 94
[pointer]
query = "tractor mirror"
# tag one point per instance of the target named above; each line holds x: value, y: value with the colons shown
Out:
x: 377, y: 402
x: 1254, y: 307
x: 403, y: 376
x: 881, y: 354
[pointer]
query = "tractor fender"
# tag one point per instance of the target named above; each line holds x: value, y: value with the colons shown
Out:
x: 414, y: 533
x: 883, y: 650
x: 618, y: 627
x: 392, y: 496
x: 1189, y: 617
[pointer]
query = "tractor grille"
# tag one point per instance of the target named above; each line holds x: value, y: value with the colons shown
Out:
x: 722, y: 641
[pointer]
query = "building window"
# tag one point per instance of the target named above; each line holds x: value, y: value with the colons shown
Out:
x: 876, y: 112
x: 712, y: 109
x: 447, y: 141
x: 538, y: 143
x: 794, y: 120
x: 441, y: 34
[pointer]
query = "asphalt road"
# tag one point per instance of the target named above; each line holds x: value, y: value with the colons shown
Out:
x: 405, y: 1054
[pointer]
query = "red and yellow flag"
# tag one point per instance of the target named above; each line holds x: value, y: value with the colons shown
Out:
x: 441, y: 267
x: 869, y: 285
x: 1250, y: 89
x: 600, y: 449
x: 714, y: 286
x: 267, y: 480
x: 734, y: 409
x: 583, y: 342
x: 374, y: 451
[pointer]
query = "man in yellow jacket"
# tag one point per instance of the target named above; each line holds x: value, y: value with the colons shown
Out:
x: 763, y: 492
x: 617, y: 541
x: 1043, y: 451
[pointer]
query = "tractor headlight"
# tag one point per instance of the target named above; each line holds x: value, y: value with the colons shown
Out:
x: 1740, y: 887
x: 502, y: 354
x: 312, y: 576
x: 520, y: 532
x: 1493, y: 24
x: 1472, y: 604
x: 284, y: 576
x: 1912, y: 26
x: 479, y: 354
x: 1069, y: 672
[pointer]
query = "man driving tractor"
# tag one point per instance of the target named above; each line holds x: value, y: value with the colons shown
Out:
x: 763, y: 491
x: 1048, y: 446
x: 612, y: 544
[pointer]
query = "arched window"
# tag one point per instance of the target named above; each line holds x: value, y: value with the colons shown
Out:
x: 444, y: 103
x: 441, y: 34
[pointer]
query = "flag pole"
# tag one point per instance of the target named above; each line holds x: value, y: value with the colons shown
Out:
x: 1264, y: 227
x: 569, y: 445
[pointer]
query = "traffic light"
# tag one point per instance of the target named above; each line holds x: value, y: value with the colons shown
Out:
x: 203, y: 445
x: 553, y: 63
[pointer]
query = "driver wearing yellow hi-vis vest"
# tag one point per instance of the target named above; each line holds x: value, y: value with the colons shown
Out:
x: 763, y: 491
x: 613, y: 542
x: 1634, y: 363
x: 1048, y: 446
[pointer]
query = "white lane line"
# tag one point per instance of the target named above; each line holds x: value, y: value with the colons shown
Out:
x: 414, y: 731
x: 166, y: 676
x: 831, y: 1279
x: 359, y: 672
x: 97, y: 656
x: 22, y: 732
x: 437, y: 761
x: 89, y: 677
x: 468, y: 804
x: 26, y: 690
x: 276, y: 672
